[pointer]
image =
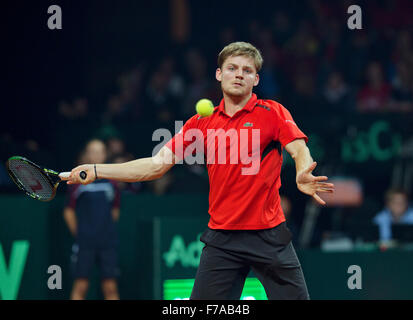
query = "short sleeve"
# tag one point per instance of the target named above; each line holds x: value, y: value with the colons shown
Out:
x: 188, y: 134
x: 71, y: 197
x: 287, y: 129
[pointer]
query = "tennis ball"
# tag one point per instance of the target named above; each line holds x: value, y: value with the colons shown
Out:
x: 204, y: 107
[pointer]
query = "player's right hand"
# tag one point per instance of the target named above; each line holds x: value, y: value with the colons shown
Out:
x: 75, y: 178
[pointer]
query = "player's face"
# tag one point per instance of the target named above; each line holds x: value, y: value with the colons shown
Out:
x: 237, y: 76
x: 96, y: 152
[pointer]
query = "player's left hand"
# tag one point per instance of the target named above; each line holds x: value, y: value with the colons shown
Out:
x: 75, y: 178
x: 311, y: 185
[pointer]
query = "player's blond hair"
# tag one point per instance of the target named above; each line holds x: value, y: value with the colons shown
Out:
x: 241, y: 49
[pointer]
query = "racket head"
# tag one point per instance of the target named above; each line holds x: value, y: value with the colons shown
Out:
x: 37, y: 182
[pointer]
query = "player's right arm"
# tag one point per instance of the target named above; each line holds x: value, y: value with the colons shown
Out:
x: 143, y: 169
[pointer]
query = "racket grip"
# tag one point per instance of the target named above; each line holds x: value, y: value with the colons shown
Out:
x: 83, y: 175
x: 64, y: 175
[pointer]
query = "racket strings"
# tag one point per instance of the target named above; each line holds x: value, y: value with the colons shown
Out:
x: 31, y: 179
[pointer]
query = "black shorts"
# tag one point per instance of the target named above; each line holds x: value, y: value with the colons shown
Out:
x: 83, y: 260
x: 229, y: 255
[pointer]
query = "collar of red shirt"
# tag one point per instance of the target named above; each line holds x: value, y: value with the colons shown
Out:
x: 248, y: 107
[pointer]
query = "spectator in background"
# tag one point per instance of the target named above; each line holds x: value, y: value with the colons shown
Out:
x: 300, y: 63
x: 356, y: 47
x: 75, y: 121
x: 388, y: 15
x: 161, y: 104
x: 403, y: 49
x: 91, y: 214
x: 282, y: 28
x: 396, y: 211
x: 186, y: 179
x: 375, y: 95
x: 226, y: 36
x: 30, y: 148
x: 303, y: 46
x: 116, y: 150
x: 162, y: 185
x: 268, y: 86
x: 304, y: 92
x: 116, y: 109
x: 330, y: 32
x: 126, y: 104
x: 176, y: 84
x: 336, y: 94
x: 130, y: 89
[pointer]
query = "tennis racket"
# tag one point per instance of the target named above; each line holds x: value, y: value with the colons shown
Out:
x: 37, y: 182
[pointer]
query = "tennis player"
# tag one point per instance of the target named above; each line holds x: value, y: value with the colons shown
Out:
x: 91, y: 214
x: 247, y: 227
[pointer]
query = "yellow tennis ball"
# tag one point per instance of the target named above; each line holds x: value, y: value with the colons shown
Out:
x: 204, y: 107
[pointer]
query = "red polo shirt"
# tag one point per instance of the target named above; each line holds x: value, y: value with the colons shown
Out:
x: 243, y: 158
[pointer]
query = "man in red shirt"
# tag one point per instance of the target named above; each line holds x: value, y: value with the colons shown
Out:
x: 241, y: 143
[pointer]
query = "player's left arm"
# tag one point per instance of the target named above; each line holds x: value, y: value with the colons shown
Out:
x: 306, y: 182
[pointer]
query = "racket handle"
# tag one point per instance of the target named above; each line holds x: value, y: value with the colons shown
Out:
x: 65, y: 175
x: 83, y: 175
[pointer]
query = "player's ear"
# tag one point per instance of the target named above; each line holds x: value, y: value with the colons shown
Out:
x: 257, y: 80
x: 218, y: 74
